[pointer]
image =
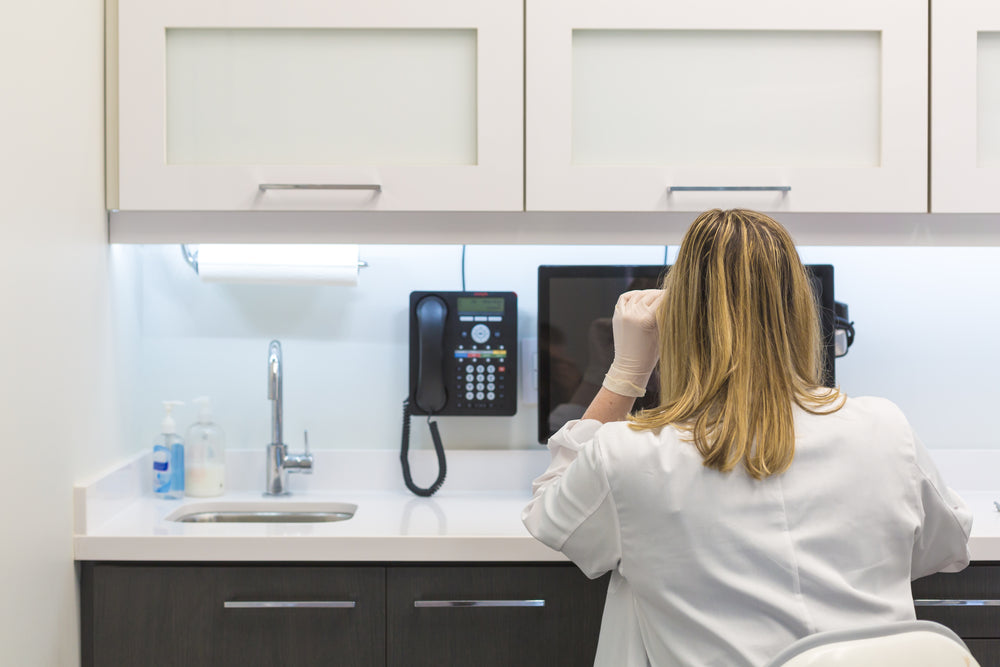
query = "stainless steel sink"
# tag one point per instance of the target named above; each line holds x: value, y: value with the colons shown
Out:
x: 263, y: 512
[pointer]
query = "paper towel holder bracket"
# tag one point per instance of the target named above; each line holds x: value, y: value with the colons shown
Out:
x: 191, y: 257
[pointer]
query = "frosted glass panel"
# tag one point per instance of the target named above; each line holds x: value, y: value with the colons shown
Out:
x: 321, y: 96
x: 727, y: 98
x: 988, y: 96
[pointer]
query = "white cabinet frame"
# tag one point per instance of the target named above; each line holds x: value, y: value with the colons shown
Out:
x: 140, y: 179
x: 898, y: 184
x: 958, y: 184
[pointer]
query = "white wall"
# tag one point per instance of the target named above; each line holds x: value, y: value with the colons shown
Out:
x: 57, y: 412
x: 924, y: 316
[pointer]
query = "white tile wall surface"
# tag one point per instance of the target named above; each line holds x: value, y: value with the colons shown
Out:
x: 926, y: 324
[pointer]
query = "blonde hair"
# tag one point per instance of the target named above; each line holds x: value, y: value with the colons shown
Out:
x: 739, y: 344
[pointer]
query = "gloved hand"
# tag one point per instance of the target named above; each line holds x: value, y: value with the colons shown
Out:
x: 637, y: 342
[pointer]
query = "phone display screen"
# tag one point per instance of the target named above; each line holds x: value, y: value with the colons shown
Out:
x: 479, y: 304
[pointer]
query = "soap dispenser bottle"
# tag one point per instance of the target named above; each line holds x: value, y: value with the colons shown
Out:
x: 168, y: 457
x: 206, y: 454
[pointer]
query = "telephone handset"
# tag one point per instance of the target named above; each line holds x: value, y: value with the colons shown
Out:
x: 430, y: 395
x: 463, y: 361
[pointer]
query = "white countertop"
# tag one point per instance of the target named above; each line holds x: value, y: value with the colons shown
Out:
x: 475, y: 517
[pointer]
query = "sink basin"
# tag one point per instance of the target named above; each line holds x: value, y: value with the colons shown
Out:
x: 263, y: 512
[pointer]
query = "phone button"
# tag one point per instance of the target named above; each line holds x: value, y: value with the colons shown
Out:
x: 490, y: 387
x: 479, y: 396
x: 479, y: 368
x: 480, y: 333
x: 490, y: 396
x: 469, y: 396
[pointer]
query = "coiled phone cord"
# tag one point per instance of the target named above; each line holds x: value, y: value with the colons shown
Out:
x: 404, y: 455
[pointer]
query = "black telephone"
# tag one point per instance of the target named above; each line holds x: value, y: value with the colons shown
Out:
x: 463, y: 361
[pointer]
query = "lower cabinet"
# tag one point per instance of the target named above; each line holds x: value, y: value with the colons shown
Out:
x: 345, y: 615
x: 445, y: 615
x: 194, y: 615
x: 968, y: 602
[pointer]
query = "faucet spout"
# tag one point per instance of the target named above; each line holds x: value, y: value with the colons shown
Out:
x: 274, y: 389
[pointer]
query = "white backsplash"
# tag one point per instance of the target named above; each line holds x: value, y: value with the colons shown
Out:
x: 925, y: 317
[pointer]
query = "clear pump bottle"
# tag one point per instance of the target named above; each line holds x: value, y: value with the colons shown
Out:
x: 168, y: 457
x: 206, y: 452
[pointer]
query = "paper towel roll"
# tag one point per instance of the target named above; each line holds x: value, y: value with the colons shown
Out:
x: 279, y: 264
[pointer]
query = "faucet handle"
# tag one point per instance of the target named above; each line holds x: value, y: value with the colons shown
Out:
x: 300, y: 462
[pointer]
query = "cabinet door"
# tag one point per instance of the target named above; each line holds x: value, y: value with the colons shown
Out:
x: 309, y: 105
x: 968, y: 602
x: 484, y: 615
x: 232, y: 615
x: 965, y: 106
x: 677, y: 106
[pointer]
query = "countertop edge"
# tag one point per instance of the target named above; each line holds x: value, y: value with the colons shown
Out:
x: 312, y: 549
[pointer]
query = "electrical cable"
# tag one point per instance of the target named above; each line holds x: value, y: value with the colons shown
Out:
x: 404, y: 455
x: 463, y: 267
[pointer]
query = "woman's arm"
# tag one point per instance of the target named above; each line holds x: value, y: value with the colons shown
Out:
x: 608, y: 406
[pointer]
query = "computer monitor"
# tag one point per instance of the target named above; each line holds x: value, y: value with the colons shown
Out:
x: 575, y: 305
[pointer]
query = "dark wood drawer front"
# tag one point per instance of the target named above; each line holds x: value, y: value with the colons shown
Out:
x: 176, y: 615
x: 969, y: 621
x: 446, y: 632
x: 985, y: 651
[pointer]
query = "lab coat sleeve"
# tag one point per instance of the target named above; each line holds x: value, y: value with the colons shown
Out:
x: 573, y: 510
x: 941, y: 542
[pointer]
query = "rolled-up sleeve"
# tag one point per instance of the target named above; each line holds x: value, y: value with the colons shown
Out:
x: 573, y: 509
x: 941, y: 543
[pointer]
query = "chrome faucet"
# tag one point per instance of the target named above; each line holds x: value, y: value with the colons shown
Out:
x: 279, y: 461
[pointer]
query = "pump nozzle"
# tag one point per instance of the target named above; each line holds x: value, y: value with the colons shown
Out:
x: 204, y: 404
x: 168, y: 425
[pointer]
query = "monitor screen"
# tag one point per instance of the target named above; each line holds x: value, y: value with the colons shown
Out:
x: 575, y: 344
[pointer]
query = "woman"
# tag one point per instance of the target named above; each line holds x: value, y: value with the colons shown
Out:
x: 753, y: 506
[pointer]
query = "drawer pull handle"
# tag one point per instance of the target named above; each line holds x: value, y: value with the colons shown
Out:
x: 729, y: 188
x: 478, y: 603
x: 320, y: 186
x: 956, y: 603
x: 308, y: 604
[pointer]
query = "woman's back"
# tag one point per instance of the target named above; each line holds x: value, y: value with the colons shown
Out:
x: 751, y: 506
x: 721, y: 569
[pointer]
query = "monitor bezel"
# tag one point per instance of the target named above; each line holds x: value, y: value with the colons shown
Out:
x: 823, y: 273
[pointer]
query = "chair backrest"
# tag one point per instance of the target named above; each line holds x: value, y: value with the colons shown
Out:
x: 907, y: 643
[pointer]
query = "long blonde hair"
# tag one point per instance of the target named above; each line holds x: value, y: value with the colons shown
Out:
x: 739, y: 344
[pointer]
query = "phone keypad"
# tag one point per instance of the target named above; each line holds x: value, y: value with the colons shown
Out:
x: 481, y: 383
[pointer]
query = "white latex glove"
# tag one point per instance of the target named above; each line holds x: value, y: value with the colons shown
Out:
x: 637, y: 342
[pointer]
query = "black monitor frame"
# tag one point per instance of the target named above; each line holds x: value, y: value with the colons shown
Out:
x: 822, y: 276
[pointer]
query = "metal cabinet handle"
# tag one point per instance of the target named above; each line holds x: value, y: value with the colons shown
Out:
x: 320, y: 186
x: 479, y: 603
x: 306, y: 604
x: 956, y: 603
x: 729, y: 188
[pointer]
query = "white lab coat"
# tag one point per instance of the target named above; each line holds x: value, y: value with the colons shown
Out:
x: 714, y: 569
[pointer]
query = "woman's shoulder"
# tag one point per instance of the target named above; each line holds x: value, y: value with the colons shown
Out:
x: 865, y: 412
x: 876, y: 406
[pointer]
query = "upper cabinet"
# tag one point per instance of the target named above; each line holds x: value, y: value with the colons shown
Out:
x: 315, y: 105
x: 678, y: 106
x: 965, y: 106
